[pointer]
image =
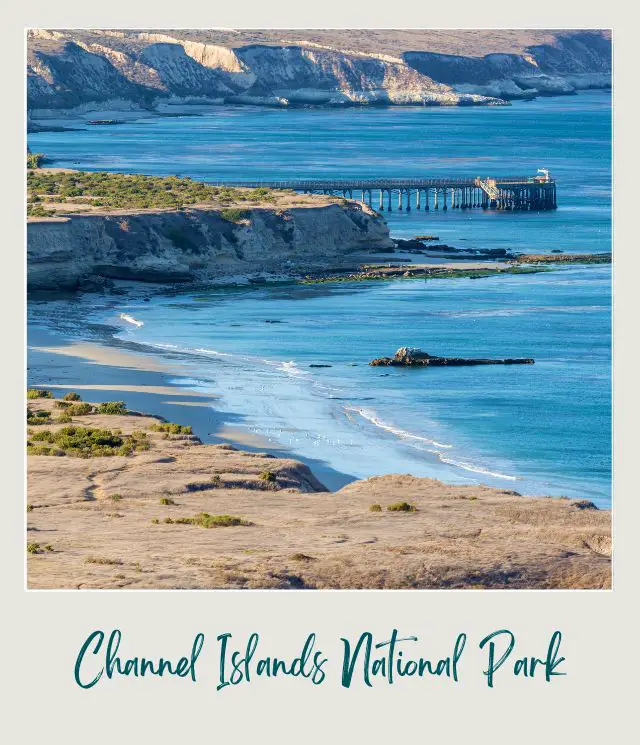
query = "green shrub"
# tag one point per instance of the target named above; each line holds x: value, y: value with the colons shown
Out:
x: 112, y: 407
x: 80, y: 409
x: 116, y: 497
x: 44, y: 436
x: 401, y: 507
x: 29, y: 508
x: 375, y: 508
x: 172, y: 429
x: 62, y: 404
x: 205, y: 520
x: 38, y: 210
x: 38, y: 393
x: 38, y: 417
x: 268, y: 476
x: 84, y: 442
x: 119, y: 190
x: 166, y: 501
x: 234, y: 214
x: 34, y: 548
x: 102, y: 560
x: 63, y: 419
x: 71, y: 396
x: 35, y: 160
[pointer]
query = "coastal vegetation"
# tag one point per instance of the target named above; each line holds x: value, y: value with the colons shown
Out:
x: 85, y: 442
x: 234, y: 214
x: 205, y: 520
x: 38, y: 393
x: 80, y: 409
x: 35, y: 160
x: 112, y: 407
x: 133, y: 191
x: 171, y: 428
x: 37, y: 548
x: 37, y: 417
x: 401, y: 507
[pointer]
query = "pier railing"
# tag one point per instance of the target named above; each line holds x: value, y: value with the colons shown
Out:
x: 501, y: 192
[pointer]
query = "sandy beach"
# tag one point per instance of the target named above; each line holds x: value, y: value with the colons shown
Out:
x: 147, y: 384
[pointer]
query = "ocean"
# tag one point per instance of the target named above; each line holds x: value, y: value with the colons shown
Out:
x: 543, y: 429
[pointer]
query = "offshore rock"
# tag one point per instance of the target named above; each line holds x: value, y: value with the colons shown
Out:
x: 413, y: 357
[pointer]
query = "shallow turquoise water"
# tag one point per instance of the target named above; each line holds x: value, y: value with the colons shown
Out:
x: 541, y: 429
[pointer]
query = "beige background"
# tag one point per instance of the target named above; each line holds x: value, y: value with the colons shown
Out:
x: 42, y: 631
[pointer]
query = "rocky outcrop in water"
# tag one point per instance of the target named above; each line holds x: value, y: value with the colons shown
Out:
x: 412, y: 357
x: 196, y: 244
x: 95, y: 69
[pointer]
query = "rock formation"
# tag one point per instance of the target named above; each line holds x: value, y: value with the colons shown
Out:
x: 412, y: 357
x: 196, y: 244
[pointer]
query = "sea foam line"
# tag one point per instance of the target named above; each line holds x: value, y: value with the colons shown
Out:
x: 476, y: 469
x: 131, y: 319
x: 403, y: 434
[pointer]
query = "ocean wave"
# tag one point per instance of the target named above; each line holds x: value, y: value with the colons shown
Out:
x: 401, y: 433
x: 476, y: 469
x: 131, y: 319
x: 214, y: 352
x: 435, y: 448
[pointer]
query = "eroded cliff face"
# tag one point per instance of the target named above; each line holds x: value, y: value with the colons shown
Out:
x: 197, y: 244
x: 129, y: 69
x: 575, y: 61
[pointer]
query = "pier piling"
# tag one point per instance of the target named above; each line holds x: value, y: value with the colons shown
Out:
x: 518, y: 193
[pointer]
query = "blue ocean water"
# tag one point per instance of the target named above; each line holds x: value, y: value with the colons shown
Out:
x: 569, y: 135
x: 541, y: 429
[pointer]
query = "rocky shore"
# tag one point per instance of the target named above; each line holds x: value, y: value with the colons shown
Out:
x: 143, y: 504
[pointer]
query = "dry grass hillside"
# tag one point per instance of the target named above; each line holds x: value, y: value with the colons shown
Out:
x: 145, y: 505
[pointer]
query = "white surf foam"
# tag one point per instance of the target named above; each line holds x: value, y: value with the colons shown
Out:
x: 401, y: 433
x: 476, y: 469
x: 131, y: 319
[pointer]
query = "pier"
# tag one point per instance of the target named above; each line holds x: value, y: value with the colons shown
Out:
x: 500, y: 193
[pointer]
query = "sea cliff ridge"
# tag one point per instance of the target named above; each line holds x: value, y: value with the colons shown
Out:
x: 86, y: 70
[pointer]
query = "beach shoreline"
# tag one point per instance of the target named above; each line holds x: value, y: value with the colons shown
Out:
x: 150, y: 385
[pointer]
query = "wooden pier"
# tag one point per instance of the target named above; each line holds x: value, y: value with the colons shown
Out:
x: 501, y: 193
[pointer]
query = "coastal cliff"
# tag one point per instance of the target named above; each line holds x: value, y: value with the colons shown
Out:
x: 191, y: 244
x: 92, y: 69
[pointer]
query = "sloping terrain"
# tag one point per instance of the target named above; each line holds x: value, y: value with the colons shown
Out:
x: 179, y: 514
